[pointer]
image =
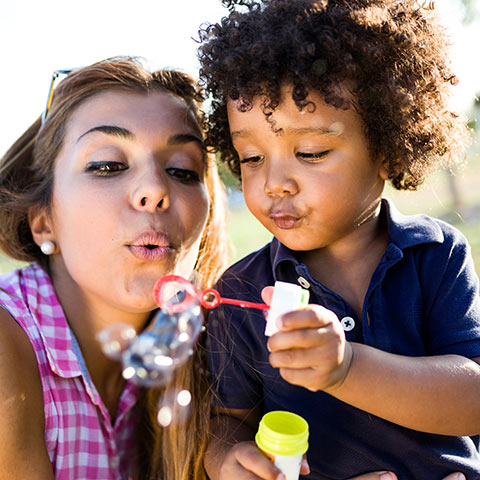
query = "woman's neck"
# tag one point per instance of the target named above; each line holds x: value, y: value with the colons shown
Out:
x: 87, y: 317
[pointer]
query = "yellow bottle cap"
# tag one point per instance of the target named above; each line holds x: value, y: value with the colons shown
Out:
x: 282, y: 433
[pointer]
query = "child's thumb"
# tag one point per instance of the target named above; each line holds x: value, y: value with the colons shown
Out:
x: 267, y: 294
x: 376, y: 476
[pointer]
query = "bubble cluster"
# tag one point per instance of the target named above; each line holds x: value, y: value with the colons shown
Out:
x: 151, y: 358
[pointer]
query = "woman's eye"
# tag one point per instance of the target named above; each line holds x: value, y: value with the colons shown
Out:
x: 254, y: 160
x: 312, y: 156
x: 104, y: 169
x: 184, y: 175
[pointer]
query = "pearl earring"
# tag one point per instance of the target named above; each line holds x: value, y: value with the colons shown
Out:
x: 48, y: 247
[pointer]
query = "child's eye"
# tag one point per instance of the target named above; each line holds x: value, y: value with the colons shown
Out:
x: 104, y: 169
x: 255, y: 160
x: 184, y: 175
x: 313, y: 155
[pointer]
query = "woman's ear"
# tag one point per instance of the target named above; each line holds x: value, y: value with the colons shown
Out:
x: 40, y: 225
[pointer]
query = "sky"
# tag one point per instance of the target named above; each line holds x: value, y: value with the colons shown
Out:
x: 40, y: 36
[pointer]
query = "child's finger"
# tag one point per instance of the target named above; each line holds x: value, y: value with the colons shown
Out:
x: 304, y: 467
x: 308, y: 317
x: 376, y: 476
x: 306, y: 338
x: 253, y: 460
x: 300, y: 358
x: 267, y: 294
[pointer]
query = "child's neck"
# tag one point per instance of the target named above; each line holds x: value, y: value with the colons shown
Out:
x: 347, y: 266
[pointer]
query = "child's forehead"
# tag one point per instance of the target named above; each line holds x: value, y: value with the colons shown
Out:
x: 316, y: 116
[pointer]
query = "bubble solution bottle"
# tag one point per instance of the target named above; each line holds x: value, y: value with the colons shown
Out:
x: 283, y: 437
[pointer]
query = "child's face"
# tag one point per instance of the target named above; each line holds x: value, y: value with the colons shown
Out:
x: 129, y: 199
x: 314, y: 184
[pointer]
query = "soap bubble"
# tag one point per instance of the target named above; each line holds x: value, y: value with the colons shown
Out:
x: 184, y: 398
x: 147, y: 361
x: 115, y: 339
x: 175, y: 294
x: 165, y: 416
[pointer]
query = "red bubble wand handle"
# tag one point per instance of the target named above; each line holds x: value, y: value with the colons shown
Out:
x: 209, y: 298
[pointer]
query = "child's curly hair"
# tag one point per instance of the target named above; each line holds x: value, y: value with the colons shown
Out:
x: 391, y: 54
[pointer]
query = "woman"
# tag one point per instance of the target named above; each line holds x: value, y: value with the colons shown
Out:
x: 112, y: 191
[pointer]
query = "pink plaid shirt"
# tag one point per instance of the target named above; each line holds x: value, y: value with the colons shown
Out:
x: 80, y: 438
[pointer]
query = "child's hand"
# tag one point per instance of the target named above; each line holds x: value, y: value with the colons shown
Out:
x: 310, y: 349
x: 245, y: 461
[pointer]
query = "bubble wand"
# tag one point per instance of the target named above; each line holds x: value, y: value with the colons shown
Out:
x: 209, y: 298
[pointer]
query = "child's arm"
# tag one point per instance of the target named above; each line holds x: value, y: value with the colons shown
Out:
x: 436, y: 394
x: 23, y: 453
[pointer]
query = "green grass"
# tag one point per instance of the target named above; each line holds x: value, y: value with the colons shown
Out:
x: 246, y: 233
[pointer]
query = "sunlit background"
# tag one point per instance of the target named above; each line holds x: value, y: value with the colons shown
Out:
x: 38, y: 37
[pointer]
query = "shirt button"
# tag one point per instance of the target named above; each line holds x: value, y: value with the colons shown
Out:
x: 114, y: 463
x: 348, y: 323
x: 304, y: 283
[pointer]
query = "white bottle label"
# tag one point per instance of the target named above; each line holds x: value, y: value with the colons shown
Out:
x: 290, y: 466
x: 286, y: 297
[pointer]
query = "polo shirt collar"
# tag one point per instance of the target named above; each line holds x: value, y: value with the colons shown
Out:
x: 410, y: 230
x: 404, y: 231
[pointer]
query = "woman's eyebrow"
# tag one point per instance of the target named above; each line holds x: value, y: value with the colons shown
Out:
x: 184, y: 138
x: 109, y: 130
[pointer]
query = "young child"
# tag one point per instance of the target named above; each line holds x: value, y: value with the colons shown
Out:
x: 315, y: 105
x: 106, y: 194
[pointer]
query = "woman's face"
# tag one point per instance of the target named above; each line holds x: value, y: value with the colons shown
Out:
x: 129, y: 198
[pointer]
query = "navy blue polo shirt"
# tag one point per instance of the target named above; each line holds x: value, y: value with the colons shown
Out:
x: 422, y: 300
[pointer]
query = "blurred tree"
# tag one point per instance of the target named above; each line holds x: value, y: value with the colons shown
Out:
x: 471, y: 11
x: 470, y: 15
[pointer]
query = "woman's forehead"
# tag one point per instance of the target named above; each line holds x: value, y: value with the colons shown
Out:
x: 157, y: 110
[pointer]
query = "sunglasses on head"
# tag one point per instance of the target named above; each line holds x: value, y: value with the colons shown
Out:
x: 55, y: 75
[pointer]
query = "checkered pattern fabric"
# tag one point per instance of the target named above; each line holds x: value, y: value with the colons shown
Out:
x: 81, y: 441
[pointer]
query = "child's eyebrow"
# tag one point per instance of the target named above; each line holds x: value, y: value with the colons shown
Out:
x: 334, y: 130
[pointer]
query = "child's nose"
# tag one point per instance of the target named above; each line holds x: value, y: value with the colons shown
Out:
x: 151, y: 193
x: 280, y: 181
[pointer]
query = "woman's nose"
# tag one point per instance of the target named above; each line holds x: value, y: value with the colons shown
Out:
x: 151, y: 192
